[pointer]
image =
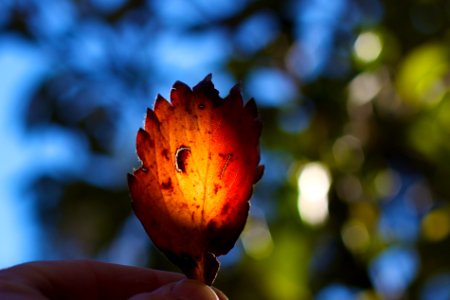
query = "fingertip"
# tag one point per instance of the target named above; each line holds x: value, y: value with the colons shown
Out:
x: 193, y: 289
x: 220, y: 294
x: 185, y: 289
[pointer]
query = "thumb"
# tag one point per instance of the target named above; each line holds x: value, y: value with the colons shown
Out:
x: 185, y: 289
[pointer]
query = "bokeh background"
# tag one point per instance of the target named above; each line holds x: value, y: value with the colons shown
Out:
x: 355, y: 100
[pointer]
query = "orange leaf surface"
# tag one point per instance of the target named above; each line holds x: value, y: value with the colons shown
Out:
x: 200, y: 159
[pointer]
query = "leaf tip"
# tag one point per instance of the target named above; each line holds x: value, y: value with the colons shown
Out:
x: 205, y: 88
x: 130, y: 180
x: 160, y: 101
x: 251, y: 107
x: 208, y: 77
x: 236, y: 89
x: 259, y: 173
x: 180, y: 93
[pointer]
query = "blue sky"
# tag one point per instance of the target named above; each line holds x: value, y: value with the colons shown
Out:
x: 21, y: 66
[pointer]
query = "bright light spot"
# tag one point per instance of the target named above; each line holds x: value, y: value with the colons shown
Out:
x: 422, y: 75
x: 436, y: 225
x: 363, y: 88
x: 348, y: 153
x: 256, y: 32
x: 437, y: 287
x: 313, y: 185
x: 349, y: 188
x: 418, y: 197
x: 314, y: 181
x: 265, y: 85
x: 313, y: 211
x: 367, y: 295
x: 368, y: 46
x: 256, y: 239
x: 355, y: 236
x: 393, y: 271
x: 387, y: 183
x: 337, y: 291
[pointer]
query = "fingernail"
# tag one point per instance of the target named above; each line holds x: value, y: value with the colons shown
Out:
x: 188, y: 289
x: 220, y: 294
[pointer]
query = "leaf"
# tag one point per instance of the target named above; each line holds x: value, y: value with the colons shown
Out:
x: 200, y: 159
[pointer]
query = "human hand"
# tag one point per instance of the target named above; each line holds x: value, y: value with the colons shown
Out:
x: 85, y: 279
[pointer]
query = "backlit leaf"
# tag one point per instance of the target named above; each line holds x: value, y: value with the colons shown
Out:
x: 200, y: 159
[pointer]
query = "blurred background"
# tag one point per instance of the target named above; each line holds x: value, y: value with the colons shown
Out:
x: 355, y: 100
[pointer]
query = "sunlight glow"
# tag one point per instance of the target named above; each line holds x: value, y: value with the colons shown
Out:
x: 393, y: 271
x: 364, y: 88
x: 355, y: 236
x: 436, y: 225
x: 313, y: 185
x: 387, y: 183
x: 368, y: 46
x: 256, y: 238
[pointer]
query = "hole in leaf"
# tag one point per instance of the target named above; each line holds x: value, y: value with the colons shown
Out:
x: 181, y: 156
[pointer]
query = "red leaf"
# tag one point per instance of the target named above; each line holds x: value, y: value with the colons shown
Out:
x: 200, y: 159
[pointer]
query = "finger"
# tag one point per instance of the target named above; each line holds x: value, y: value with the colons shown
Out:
x: 89, y: 279
x: 185, y: 289
x: 220, y: 294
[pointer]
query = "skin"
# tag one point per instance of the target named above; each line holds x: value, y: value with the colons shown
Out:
x: 85, y: 279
